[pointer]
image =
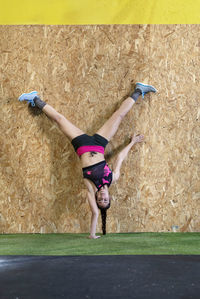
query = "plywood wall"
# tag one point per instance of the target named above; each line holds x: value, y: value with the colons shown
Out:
x: 85, y: 72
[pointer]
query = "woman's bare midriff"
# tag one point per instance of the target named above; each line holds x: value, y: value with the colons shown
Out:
x: 91, y: 158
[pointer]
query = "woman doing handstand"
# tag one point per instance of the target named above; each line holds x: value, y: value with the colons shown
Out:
x: 96, y: 173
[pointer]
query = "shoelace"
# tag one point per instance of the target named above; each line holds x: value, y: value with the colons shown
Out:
x: 32, y: 103
x: 143, y: 93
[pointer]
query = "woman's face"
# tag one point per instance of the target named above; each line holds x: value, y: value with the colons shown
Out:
x: 103, y: 196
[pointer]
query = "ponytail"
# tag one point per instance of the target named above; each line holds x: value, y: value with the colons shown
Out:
x: 103, y: 218
x: 103, y: 215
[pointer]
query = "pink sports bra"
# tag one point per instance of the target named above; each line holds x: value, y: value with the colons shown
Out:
x: 100, y: 174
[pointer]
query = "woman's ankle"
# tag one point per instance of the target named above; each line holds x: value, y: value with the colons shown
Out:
x: 39, y: 103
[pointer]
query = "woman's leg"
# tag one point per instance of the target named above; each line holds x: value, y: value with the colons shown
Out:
x: 110, y: 127
x: 64, y: 124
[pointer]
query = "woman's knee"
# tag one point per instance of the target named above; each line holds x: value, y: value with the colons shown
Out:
x: 58, y: 118
x: 122, y: 115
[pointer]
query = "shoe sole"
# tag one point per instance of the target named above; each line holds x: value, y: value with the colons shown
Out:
x: 25, y: 94
x: 146, y: 85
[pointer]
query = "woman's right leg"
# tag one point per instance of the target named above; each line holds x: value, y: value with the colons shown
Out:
x: 111, y: 126
x: 70, y: 130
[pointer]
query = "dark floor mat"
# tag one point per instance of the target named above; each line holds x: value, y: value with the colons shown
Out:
x: 52, y: 277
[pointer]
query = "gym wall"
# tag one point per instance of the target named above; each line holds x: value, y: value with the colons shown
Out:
x: 85, y: 72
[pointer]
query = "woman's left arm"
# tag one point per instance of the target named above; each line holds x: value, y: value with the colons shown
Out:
x: 123, y: 154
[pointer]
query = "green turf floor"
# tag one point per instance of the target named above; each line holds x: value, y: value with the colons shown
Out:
x: 110, y: 244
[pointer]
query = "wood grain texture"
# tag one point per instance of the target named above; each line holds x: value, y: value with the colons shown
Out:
x: 85, y: 72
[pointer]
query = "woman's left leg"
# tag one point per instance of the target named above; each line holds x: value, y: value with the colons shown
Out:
x: 69, y: 129
x: 111, y: 126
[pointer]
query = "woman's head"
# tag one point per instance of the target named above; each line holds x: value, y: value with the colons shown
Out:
x: 102, y: 197
x: 103, y: 202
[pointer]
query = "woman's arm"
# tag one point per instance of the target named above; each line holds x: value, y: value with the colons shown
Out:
x: 123, y: 154
x: 94, y: 217
x: 94, y: 210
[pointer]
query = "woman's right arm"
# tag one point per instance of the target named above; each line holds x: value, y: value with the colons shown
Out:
x: 123, y: 154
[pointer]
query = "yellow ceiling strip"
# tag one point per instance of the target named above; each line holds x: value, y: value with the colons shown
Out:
x: 99, y: 12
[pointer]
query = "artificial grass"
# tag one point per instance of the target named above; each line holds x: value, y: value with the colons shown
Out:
x: 110, y: 244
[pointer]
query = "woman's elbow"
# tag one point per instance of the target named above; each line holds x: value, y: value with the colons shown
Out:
x: 116, y: 176
x: 95, y: 213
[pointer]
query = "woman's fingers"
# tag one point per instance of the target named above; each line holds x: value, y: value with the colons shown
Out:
x: 94, y: 237
x: 138, y: 138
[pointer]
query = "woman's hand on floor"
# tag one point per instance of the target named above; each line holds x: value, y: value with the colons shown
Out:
x: 94, y: 237
x: 137, y: 138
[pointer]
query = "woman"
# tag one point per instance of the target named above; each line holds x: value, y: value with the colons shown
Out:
x: 97, y: 175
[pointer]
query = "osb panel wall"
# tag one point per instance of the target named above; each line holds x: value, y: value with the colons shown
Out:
x: 85, y: 72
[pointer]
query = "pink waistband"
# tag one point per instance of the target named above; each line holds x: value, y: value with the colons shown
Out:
x: 90, y: 148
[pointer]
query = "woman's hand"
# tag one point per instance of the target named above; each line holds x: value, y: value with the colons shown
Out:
x: 93, y: 237
x: 137, y: 138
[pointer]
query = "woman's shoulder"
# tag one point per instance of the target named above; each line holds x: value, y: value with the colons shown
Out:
x: 114, y: 175
x: 89, y: 185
